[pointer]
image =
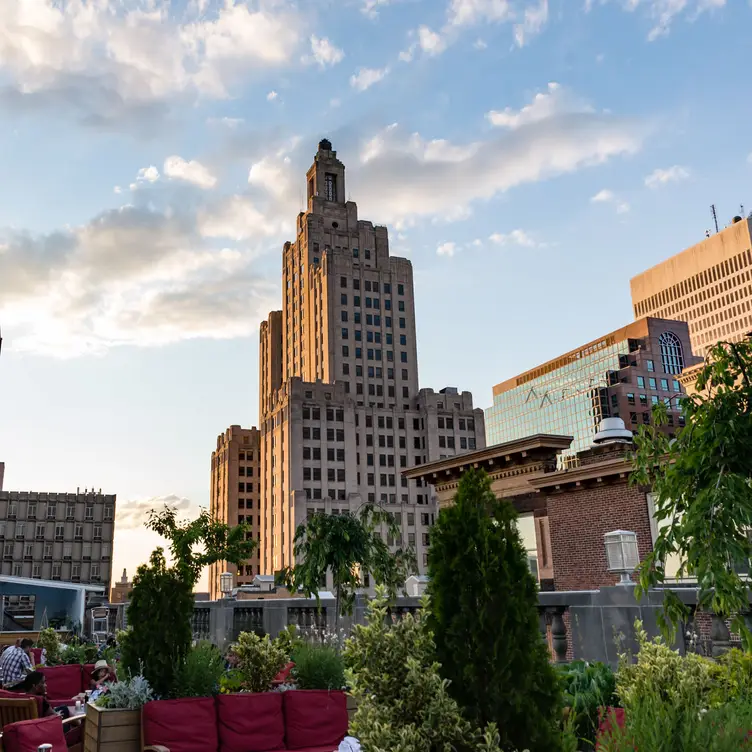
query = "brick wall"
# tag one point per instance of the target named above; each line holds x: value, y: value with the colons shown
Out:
x: 579, y: 518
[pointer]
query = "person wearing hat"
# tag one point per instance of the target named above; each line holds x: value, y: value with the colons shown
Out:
x: 100, y: 675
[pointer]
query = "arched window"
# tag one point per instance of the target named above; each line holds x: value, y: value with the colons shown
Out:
x: 672, y: 353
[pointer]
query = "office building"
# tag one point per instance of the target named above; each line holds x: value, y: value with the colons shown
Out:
x: 58, y: 536
x: 341, y: 412
x: 709, y: 286
x: 234, y: 497
x: 121, y: 590
x: 622, y: 374
x: 2, y: 474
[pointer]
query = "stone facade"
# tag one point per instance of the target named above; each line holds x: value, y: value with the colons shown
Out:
x: 341, y: 411
x: 234, y: 496
x: 58, y: 536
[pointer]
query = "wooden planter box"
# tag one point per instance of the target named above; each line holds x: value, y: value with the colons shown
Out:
x: 112, y: 730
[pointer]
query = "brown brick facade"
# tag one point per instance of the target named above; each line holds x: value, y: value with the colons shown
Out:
x: 579, y: 517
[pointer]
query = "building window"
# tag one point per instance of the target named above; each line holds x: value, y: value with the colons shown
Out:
x: 672, y: 353
x: 650, y: 365
x: 653, y: 383
x: 631, y: 398
x: 664, y: 384
x: 330, y: 187
x: 641, y: 382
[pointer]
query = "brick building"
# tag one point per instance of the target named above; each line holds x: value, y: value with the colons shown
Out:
x: 564, y: 513
x: 234, y: 497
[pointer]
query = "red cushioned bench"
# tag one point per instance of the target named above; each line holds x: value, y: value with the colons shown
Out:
x: 65, y: 683
x: 301, y: 720
x: 27, y: 736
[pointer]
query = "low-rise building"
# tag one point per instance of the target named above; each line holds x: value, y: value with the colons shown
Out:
x: 563, y: 513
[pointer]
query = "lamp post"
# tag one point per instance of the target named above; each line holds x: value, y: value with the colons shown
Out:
x: 622, y: 554
x: 225, y: 584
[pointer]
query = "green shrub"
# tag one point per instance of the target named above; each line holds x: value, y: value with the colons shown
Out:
x: 662, y: 672
x: 48, y: 640
x: 231, y: 682
x: 259, y: 660
x: 484, y: 616
x: 131, y: 694
x: 655, y: 724
x: 403, y: 703
x: 732, y: 677
x: 587, y: 687
x: 318, y: 667
x: 200, y: 673
x: 288, y: 640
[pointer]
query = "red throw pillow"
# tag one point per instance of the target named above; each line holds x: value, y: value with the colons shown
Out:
x: 314, y: 718
x: 63, y: 682
x: 187, y: 725
x: 251, y: 722
x: 26, y: 736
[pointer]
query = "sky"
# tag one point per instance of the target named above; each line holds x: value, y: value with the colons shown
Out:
x: 528, y: 157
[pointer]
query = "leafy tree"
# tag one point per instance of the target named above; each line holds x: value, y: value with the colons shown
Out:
x: 485, y: 620
x: 701, y: 487
x: 347, y: 545
x: 161, y: 602
x: 403, y: 703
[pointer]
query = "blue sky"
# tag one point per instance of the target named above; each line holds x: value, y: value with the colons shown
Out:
x: 529, y: 157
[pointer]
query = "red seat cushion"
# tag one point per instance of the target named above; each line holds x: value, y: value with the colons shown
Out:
x: 606, y: 727
x: 314, y: 718
x: 187, y: 725
x: 36, y: 656
x: 251, y: 722
x: 26, y: 736
x: 63, y: 682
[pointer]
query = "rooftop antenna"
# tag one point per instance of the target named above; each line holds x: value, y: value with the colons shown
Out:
x: 741, y: 209
x: 715, y: 216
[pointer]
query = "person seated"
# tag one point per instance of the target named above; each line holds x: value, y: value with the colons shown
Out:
x: 101, y: 674
x: 35, y: 683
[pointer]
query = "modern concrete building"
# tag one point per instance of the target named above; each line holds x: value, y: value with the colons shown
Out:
x: 234, y: 496
x: 2, y: 474
x: 58, y: 536
x: 341, y: 412
x: 622, y: 374
x: 709, y: 286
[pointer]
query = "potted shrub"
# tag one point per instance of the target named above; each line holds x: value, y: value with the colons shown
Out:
x: 113, y: 721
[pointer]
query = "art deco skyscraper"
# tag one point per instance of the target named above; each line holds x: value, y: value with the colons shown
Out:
x: 341, y: 412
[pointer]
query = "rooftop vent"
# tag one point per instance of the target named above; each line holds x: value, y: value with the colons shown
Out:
x: 736, y: 219
x: 612, y: 430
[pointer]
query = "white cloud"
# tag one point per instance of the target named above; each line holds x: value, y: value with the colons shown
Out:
x: 663, y: 13
x: 371, y: 7
x: 660, y: 177
x: 117, y: 189
x: 749, y: 158
x: 133, y: 276
x: 367, y: 77
x: 607, y: 196
x: 515, y: 237
x: 324, y: 52
x: 403, y: 175
x: 116, y: 61
x: 446, y: 249
x: 480, y: 44
x: 555, y: 101
x: 192, y: 172
x: 430, y: 42
x: 148, y: 174
x: 471, y: 12
x: 535, y: 17
x: 271, y: 96
x: 227, y: 122
x: 134, y: 513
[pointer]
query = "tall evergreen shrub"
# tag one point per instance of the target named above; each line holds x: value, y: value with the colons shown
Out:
x: 485, y: 620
